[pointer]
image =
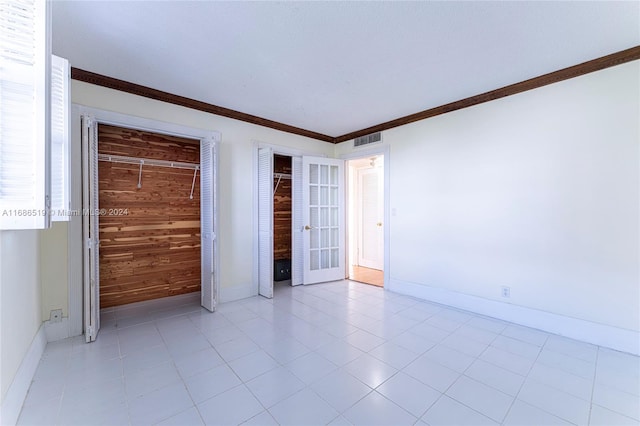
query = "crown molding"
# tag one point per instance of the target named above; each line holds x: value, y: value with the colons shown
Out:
x: 148, y: 92
x: 598, y: 64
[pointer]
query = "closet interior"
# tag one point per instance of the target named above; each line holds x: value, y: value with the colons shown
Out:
x: 149, y: 191
x: 282, y: 217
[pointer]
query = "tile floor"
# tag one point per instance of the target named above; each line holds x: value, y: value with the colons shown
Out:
x: 338, y: 353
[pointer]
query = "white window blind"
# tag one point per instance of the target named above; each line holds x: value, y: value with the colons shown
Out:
x: 60, y: 118
x: 24, y: 113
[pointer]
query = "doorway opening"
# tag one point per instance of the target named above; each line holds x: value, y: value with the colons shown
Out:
x: 149, y: 187
x: 366, y: 219
x: 149, y: 190
x: 282, y: 220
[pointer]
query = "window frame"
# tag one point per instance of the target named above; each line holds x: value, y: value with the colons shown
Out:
x: 26, y: 211
x: 60, y: 139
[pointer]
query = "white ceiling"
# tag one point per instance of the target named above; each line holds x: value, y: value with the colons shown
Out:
x: 336, y: 67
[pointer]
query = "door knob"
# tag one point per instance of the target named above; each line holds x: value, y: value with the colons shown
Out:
x: 379, y: 224
x: 307, y: 227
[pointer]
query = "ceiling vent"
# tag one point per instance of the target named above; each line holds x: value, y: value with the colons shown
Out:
x: 366, y: 140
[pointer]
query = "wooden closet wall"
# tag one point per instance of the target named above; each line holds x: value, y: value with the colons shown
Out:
x: 282, y: 209
x: 152, y: 251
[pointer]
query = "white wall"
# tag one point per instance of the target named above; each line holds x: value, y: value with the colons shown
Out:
x: 53, y: 267
x: 538, y: 192
x: 235, y: 177
x: 20, y: 309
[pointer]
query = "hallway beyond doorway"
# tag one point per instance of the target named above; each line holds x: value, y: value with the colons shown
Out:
x: 366, y: 275
x: 366, y: 219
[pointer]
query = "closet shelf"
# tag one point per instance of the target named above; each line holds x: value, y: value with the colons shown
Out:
x: 279, y: 176
x: 147, y: 161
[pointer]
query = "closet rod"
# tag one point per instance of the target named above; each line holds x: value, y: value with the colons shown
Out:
x: 280, y: 176
x: 147, y: 161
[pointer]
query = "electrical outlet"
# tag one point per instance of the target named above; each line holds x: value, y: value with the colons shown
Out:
x: 505, y: 292
x: 56, y: 315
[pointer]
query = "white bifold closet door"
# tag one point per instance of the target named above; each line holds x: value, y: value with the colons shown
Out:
x: 91, y: 218
x: 265, y: 222
x: 297, y: 224
x: 91, y: 229
x: 208, y: 242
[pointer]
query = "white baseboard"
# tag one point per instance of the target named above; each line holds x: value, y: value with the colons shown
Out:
x: 236, y: 292
x: 17, y: 392
x: 598, y: 334
x: 57, y: 330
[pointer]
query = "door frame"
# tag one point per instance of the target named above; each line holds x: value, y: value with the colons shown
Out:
x: 75, y: 244
x: 366, y: 153
x: 275, y: 150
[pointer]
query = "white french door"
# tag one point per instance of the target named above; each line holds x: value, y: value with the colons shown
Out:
x: 370, y: 214
x: 323, y: 218
x: 91, y: 255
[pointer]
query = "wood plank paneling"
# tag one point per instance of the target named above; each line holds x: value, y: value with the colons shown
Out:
x: 282, y: 209
x: 152, y: 250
